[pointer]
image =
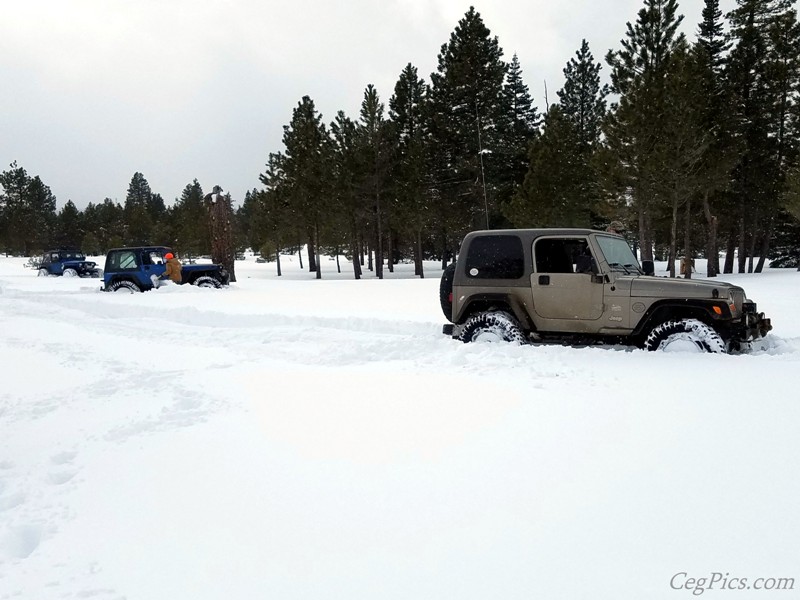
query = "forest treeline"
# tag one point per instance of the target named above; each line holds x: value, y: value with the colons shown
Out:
x: 692, y: 146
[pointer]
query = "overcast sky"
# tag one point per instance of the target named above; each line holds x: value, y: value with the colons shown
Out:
x: 96, y: 90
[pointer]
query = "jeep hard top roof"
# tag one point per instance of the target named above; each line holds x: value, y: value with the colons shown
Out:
x: 146, y: 248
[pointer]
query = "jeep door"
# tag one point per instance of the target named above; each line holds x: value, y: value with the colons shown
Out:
x: 560, y: 291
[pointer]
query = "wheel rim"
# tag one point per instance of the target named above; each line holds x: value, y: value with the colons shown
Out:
x: 489, y: 335
x: 683, y: 342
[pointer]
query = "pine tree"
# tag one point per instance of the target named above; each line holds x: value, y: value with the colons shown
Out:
x: 306, y: 168
x: 518, y: 127
x: 346, y: 177
x: 27, y: 212
x: 553, y: 193
x: 374, y: 150
x: 635, y: 126
x: 583, y: 99
x: 715, y: 119
x: 191, y: 233
x: 407, y: 112
x: 69, y: 226
x: 757, y: 78
x: 465, y: 112
x: 138, y: 219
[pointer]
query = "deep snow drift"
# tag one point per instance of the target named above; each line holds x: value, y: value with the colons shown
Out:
x: 293, y: 438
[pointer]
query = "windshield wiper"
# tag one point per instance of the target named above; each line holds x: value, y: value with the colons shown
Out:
x: 621, y: 266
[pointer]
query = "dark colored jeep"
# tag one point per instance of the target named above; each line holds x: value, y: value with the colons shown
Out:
x: 67, y: 263
x: 141, y: 268
x: 585, y: 286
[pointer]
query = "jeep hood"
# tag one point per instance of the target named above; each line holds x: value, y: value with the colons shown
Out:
x: 666, y: 287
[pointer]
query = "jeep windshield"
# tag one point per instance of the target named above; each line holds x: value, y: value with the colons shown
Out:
x: 618, y: 254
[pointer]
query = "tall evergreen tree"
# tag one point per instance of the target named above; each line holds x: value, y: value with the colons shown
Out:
x: 466, y: 110
x: 553, y: 193
x: 306, y: 166
x: 635, y: 127
x: 407, y: 110
x: 715, y: 119
x: 518, y: 127
x: 583, y: 99
x: 138, y: 219
x: 374, y: 147
x: 754, y: 78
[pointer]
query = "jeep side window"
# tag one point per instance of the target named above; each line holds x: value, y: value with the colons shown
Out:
x: 156, y: 258
x: 495, y: 257
x: 560, y: 255
x: 125, y: 261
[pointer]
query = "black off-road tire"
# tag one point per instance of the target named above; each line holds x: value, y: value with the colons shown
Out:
x: 446, y: 291
x: 206, y: 281
x: 124, y: 286
x: 701, y: 336
x: 492, y: 326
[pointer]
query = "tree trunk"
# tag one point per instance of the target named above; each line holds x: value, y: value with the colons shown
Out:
x: 645, y: 240
x: 316, y: 245
x: 300, y: 256
x: 730, y: 250
x: 278, y: 259
x: 765, y: 245
x: 673, y: 237
x: 419, y: 268
x: 687, y: 241
x: 390, y: 252
x: 753, y: 239
x: 312, y: 250
x: 355, y: 251
x: 742, y: 241
x: 338, y: 268
x: 712, y: 252
x: 369, y: 257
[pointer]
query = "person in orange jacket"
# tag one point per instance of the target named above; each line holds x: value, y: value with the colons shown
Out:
x: 173, y: 270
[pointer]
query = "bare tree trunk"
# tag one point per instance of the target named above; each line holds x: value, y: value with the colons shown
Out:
x: 316, y: 246
x: 278, y: 259
x: 390, y: 252
x: 687, y: 241
x: 369, y: 257
x: 338, y: 268
x: 378, y: 246
x: 712, y: 252
x: 766, y: 242
x: 730, y: 250
x: 673, y: 236
x: 312, y: 252
x: 418, y: 256
x: 753, y: 239
x: 220, y: 215
x: 300, y: 256
x: 742, y: 240
x: 645, y: 235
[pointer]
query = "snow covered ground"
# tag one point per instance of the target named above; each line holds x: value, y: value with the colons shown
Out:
x: 289, y: 438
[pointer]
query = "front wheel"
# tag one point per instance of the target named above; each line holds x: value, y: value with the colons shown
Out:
x: 69, y: 272
x: 492, y: 327
x: 43, y: 273
x: 685, y: 335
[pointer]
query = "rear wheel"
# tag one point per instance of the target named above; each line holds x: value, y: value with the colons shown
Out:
x: 124, y: 286
x: 43, y: 273
x: 492, y: 327
x: 69, y: 272
x: 446, y: 291
x: 207, y: 281
x: 685, y: 335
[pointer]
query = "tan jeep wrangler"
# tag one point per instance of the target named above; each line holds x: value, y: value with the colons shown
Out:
x: 585, y: 286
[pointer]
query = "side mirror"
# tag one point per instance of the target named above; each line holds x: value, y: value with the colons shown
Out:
x: 648, y: 267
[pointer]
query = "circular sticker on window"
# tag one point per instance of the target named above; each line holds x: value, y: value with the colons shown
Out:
x: 473, y: 271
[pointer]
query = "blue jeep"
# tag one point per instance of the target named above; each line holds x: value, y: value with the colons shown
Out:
x: 140, y: 269
x: 67, y: 263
